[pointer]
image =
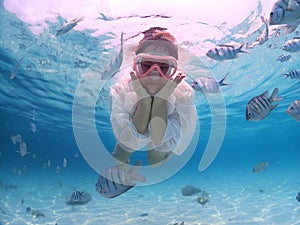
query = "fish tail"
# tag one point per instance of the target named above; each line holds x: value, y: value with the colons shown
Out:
x: 264, y: 20
x: 274, y: 97
x: 240, y: 49
x: 286, y: 75
x: 290, y: 28
x: 80, y: 19
x: 122, y: 39
x: 221, y: 82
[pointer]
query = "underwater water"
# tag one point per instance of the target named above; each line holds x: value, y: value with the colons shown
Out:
x: 38, y: 102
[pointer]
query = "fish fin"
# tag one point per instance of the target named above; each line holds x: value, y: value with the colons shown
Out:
x: 289, y: 28
x: 264, y: 20
x: 221, y: 82
x: 133, y: 173
x: 265, y: 94
x: 274, y: 97
x: 224, y: 45
x: 122, y: 40
x: 273, y: 107
x: 286, y: 75
x: 138, y: 177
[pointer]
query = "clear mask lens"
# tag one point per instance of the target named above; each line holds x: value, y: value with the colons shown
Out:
x: 144, y: 64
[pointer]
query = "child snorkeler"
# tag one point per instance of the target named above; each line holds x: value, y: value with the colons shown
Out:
x: 152, y: 106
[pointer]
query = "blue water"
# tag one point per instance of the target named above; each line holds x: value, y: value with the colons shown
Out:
x: 46, y: 83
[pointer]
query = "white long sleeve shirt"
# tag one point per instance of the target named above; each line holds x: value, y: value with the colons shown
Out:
x: 181, y: 118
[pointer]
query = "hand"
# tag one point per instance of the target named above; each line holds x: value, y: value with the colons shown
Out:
x: 170, y: 86
x: 137, y: 86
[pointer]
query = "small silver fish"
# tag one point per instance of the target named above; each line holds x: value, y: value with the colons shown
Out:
x: 33, y: 127
x: 116, y: 180
x: 23, y: 149
x: 294, y: 110
x: 33, y: 115
x: 263, y: 37
x: 15, y: 69
x: 16, y: 138
x: 293, y: 74
x: 68, y: 26
x: 260, y: 106
x: 208, y: 85
x: 225, y: 52
x: 283, y: 58
x: 114, y: 65
x: 65, y: 163
x: 260, y: 167
x: 292, y: 45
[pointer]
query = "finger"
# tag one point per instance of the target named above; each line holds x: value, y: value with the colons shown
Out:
x: 132, y: 75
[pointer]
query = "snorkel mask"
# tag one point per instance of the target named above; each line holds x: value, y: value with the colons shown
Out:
x: 144, y: 64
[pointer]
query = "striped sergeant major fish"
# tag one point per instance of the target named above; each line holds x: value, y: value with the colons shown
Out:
x: 225, y: 52
x: 116, y: 180
x: 293, y: 74
x: 77, y: 195
x: 114, y: 65
x: 286, y: 12
x: 260, y: 106
x: 292, y: 45
x: 68, y: 26
x: 208, y: 85
x: 283, y: 58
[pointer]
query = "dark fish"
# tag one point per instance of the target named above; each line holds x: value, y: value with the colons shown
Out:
x: 260, y: 106
x: 28, y: 209
x: 77, y: 195
x: 116, y: 180
x: 260, y: 167
x: 298, y: 197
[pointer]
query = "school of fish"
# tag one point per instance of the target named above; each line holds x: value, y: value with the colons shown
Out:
x: 116, y: 180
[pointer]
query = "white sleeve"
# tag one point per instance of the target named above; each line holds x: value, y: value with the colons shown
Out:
x: 123, y: 102
x: 181, y: 119
x: 187, y: 113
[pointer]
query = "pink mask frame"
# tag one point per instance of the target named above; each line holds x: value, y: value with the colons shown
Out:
x: 166, y: 66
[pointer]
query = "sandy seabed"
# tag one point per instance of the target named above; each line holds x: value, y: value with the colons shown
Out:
x: 256, y: 199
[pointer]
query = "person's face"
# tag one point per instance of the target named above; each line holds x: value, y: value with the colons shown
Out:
x: 154, y: 69
x: 153, y: 82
